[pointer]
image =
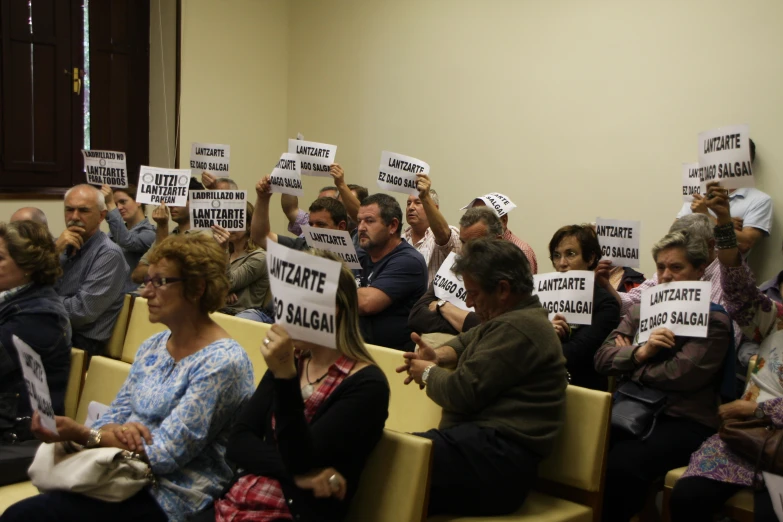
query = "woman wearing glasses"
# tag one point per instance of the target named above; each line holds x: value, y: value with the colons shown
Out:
x: 575, y: 247
x: 178, y: 403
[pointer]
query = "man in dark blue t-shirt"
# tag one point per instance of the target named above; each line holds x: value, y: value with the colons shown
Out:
x: 393, y: 276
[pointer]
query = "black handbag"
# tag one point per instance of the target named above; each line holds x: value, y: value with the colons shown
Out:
x: 636, y: 409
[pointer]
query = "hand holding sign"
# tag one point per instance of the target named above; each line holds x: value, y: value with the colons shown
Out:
x: 398, y: 173
x: 660, y: 338
x: 37, y: 388
x: 278, y: 351
x: 717, y: 200
x: 682, y: 307
x: 161, y: 215
x: 699, y: 205
x: 108, y: 197
x: 264, y: 188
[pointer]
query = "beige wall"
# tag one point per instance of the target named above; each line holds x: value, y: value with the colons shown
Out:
x: 573, y: 109
x: 234, y: 83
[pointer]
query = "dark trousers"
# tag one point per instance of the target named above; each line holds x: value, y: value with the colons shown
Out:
x: 633, y: 465
x: 91, y: 346
x: 61, y: 505
x: 478, y: 472
x: 696, y: 499
x: 15, y: 459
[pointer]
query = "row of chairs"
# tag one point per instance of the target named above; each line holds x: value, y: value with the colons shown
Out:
x: 395, y: 482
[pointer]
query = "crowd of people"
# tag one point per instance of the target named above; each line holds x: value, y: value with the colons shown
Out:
x: 294, y: 448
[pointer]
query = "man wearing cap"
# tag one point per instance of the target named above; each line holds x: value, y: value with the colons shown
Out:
x: 502, y: 206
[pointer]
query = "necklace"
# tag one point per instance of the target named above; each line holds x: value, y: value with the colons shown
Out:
x: 309, y: 388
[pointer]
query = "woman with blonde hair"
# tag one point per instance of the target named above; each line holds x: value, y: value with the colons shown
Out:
x: 31, y: 310
x: 303, y: 439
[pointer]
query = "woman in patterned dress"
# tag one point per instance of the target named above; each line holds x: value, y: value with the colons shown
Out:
x: 715, y: 473
x: 176, y: 407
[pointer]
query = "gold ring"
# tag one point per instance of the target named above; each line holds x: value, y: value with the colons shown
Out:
x: 124, y: 428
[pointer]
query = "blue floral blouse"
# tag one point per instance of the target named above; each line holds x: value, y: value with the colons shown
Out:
x: 189, y: 407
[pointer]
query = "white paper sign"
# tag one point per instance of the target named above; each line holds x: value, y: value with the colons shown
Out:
x: 449, y: 286
x: 95, y: 410
x: 682, y: 307
x: 569, y: 294
x: 619, y: 241
x: 37, y: 387
x: 305, y: 289
x: 691, y: 183
x: 225, y: 208
x: 724, y: 155
x: 398, y: 173
x: 105, y: 167
x: 286, y: 178
x: 336, y: 241
x: 496, y: 201
x: 212, y: 157
x: 315, y: 158
x: 168, y: 186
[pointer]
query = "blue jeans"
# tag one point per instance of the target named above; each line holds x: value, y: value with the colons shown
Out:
x: 257, y: 315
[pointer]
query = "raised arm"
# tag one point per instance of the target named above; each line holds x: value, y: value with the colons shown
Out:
x: 260, y: 231
x: 438, y: 224
x: 350, y: 201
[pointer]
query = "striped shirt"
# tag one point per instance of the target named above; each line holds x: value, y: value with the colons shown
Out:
x: 434, y: 254
x: 92, y: 286
x: 525, y: 248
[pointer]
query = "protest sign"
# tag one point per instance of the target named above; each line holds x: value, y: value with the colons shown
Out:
x: 398, y: 172
x: 619, y: 241
x: 335, y: 241
x: 212, y: 157
x: 304, y: 287
x: 691, y: 184
x: 169, y: 186
x: 496, y: 201
x: 569, y: 294
x: 724, y: 155
x: 315, y: 158
x: 105, y: 167
x: 35, y: 378
x: 286, y: 178
x: 449, y: 286
x: 683, y: 307
x: 225, y: 208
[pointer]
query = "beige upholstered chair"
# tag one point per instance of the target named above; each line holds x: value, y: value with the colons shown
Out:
x: 75, y: 380
x: 410, y: 410
x: 571, y: 480
x: 249, y: 334
x: 395, y: 481
x: 139, y: 329
x: 117, y: 339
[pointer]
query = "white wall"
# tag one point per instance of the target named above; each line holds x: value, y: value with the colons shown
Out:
x: 235, y: 83
x: 574, y: 109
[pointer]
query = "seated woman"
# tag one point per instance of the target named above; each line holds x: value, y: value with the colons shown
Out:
x: 687, y: 369
x: 303, y: 439
x: 128, y: 226
x: 715, y: 473
x: 178, y: 403
x: 247, y: 276
x: 31, y: 310
x: 575, y: 247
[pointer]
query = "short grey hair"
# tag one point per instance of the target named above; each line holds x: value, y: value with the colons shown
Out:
x: 697, y: 251
x: 490, y: 261
x: 484, y: 215
x: 435, y: 197
x: 98, y: 195
x: 697, y: 225
x: 228, y: 181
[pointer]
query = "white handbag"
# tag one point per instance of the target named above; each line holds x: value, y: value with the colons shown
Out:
x: 109, y: 474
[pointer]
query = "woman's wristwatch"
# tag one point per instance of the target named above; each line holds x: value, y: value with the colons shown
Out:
x: 94, y: 439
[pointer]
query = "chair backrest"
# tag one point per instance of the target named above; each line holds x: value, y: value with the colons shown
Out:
x: 117, y: 339
x: 104, y: 379
x: 410, y: 409
x: 139, y: 329
x: 394, y: 484
x: 250, y: 334
x: 579, y: 456
x: 74, y: 387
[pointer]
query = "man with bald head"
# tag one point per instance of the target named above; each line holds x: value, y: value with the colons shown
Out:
x: 94, y: 270
x: 30, y: 214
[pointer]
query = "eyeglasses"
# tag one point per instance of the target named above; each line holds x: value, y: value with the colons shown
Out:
x: 157, y: 282
x: 570, y: 255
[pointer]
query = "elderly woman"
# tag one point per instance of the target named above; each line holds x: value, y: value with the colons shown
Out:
x: 715, y: 473
x: 128, y: 226
x: 176, y: 407
x: 31, y: 310
x: 688, y: 370
x: 247, y: 275
x: 303, y: 439
x: 576, y: 247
